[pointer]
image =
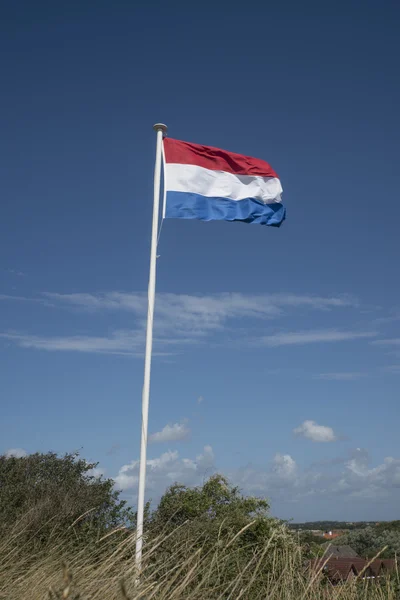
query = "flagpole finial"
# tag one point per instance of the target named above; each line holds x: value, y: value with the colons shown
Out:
x: 160, y: 127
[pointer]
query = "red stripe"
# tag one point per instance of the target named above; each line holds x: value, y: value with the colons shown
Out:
x: 215, y: 159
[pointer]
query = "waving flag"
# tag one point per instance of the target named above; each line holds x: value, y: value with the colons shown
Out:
x: 206, y: 183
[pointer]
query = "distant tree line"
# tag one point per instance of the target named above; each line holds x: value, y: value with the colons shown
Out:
x: 330, y: 525
x: 370, y: 541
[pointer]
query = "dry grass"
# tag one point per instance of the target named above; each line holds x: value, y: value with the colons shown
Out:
x: 175, y: 568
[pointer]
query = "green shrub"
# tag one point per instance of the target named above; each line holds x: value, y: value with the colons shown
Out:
x: 44, y: 497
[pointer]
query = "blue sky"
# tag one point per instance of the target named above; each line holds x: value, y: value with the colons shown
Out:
x: 277, y: 352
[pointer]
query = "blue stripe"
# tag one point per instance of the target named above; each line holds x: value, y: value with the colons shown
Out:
x: 184, y: 205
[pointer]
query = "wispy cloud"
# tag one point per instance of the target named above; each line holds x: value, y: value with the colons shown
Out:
x: 215, y: 307
x: 343, y: 376
x: 392, y: 369
x: 388, y: 342
x: 131, y: 342
x: 13, y: 298
x: 313, y: 337
x: 179, y: 318
x: 171, y: 433
x: 314, y: 432
x: 393, y: 316
x: 135, y: 302
x: 120, y: 342
x: 15, y: 272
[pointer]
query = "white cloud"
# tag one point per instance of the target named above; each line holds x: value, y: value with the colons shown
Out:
x: 344, y: 376
x: 206, y: 459
x: 284, y: 466
x: 366, y: 482
x: 284, y: 481
x: 167, y: 469
x: 314, y: 432
x: 16, y: 453
x: 127, y: 477
x: 313, y: 336
x: 200, y: 400
x: 281, y: 480
x: 171, y: 433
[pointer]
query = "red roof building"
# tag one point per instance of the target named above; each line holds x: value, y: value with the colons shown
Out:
x: 339, y: 570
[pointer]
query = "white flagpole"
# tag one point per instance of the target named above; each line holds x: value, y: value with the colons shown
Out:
x: 160, y: 130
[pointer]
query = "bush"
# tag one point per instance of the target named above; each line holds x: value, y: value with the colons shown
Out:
x: 371, y: 541
x: 215, y: 522
x: 43, y: 496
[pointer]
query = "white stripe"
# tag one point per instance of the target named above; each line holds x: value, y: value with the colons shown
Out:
x: 164, y: 207
x: 220, y: 184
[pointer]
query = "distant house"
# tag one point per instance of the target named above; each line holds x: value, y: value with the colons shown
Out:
x: 331, y: 535
x: 338, y: 570
x: 338, y: 551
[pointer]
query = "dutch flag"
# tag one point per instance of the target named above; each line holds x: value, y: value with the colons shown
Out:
x: 207, y: 183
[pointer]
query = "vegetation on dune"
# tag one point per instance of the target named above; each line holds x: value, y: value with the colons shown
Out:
x: 220, y: 527
x: 44, y: 498
x: 369, y: 541
x: 208, y: 543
